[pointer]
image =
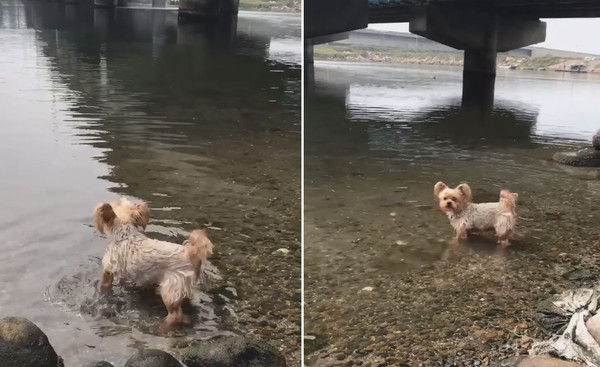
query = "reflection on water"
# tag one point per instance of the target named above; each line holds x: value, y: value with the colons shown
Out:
x: 377, y: 140
x: 200, y: 121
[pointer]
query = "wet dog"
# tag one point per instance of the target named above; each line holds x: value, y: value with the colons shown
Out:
x: 144, y: 262
x: 466, y: 216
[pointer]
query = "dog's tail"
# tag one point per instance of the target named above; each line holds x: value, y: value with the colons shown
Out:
x: 508, y: 199
x: 198, y: 247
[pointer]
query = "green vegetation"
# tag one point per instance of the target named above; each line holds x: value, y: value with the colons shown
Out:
x: 355, y: 53
x: 271, y: 5
x: 542, y: 61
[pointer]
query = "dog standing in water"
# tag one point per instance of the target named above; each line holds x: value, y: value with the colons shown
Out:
x: 144, y: 262
x: 466, y: 216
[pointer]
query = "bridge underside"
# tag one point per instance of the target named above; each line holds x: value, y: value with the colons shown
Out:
x: 398, y: 11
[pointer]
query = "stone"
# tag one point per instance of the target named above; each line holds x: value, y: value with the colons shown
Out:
x: 581, y: 158
x: 98, y: 364
x: 596, y: 140
x: 367, y: 289
x: 238, y: 351
x: 23, y: 344
x: 545, y: 361
x: 152, y: 358
x: 593, y: 326
x: 283, y: 251
x: 578, y: 275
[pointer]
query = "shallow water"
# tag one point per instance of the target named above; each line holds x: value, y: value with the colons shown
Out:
x: 201, y: 122
x: 377, y: 140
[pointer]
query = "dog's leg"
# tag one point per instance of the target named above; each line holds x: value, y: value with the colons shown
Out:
x: 106, y: 282
x: 461, y: 235
x: 503, y: 239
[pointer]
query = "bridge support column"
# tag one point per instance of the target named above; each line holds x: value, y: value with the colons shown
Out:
x: 481, y: 36
x: 192, y: 10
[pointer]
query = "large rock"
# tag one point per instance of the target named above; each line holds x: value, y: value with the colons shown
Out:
x: 545, y: 361
x: 593, y: 326
x: 236, y: 351
x: 23, y: 344
x: 582, y: 158
x: 152, y: 358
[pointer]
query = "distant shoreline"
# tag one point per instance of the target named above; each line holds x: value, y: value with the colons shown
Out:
x: 351, y: 53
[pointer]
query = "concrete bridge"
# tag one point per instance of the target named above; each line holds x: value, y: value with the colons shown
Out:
x: 188, y: 10
x: 481, y: 28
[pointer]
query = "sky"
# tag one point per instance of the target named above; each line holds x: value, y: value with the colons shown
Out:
x: 580, y: 35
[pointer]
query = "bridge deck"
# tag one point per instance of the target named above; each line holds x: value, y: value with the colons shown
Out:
x: 392, y: 11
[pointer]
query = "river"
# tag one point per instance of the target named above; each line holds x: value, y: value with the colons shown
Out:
x: 200, y: 121
x: 382, y: 284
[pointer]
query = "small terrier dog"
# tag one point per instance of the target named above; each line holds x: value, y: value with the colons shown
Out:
x: 144, y: 262
x: 466, y: 216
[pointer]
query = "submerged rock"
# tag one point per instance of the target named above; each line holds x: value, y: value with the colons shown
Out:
x: 581, y: 158
x: 152, y: 358
x: 578, y: 274
x: 237, y: 351
x: 99, y: 364
x: 23, y: 344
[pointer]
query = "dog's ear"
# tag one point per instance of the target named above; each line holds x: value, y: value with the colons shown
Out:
x: 439, y: 187
x: 465, y: 191
x: 103, y: 218
x: 141, y: 215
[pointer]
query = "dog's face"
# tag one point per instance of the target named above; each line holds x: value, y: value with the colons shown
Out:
x: 452, y: 200
x: 108, y: 215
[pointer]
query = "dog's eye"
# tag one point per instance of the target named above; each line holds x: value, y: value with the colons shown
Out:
x: 454, y: 199
x: 445, y: 198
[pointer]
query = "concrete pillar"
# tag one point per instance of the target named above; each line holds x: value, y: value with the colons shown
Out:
x: 479, y: 70
x: 191, y: 10
x: 481, y: 36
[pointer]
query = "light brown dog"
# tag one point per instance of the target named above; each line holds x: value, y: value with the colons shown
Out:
x: 144, y: 262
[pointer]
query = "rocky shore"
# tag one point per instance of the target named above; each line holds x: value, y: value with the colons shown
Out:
x: 23, y: 344
x: 349, y: 53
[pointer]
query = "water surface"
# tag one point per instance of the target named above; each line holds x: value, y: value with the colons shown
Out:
x: 200, y: 121
x: 377, y: 139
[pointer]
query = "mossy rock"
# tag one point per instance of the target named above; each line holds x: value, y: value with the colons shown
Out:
x: 582, y: 158
x: 236, y: 351
x: 152, y: 358
x: 23, y: 344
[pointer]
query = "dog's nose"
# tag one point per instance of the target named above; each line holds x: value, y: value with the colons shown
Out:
x: 449, y: 204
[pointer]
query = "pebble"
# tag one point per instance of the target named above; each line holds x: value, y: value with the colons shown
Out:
x: 283, y: 251
x: 367, y: 289
x: 401, y: 243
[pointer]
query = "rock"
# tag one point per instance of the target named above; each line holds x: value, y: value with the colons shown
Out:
x: 578, y: 275
x: 596, y: 140
x: 238, y: 351
x: 551, y: 318
x: 582, y: 158
x: 98, y: 364
x: 511, y: 362
x: 545, y: 361
x: 152, y: 358
x: 593, y: 326
x: 367, y: 289
x: 401, y: 243
x: 23, y: 344
x: 283, y: 251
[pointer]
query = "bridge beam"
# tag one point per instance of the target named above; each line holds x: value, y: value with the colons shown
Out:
x: 192, y: 10
x: 481, y: 36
